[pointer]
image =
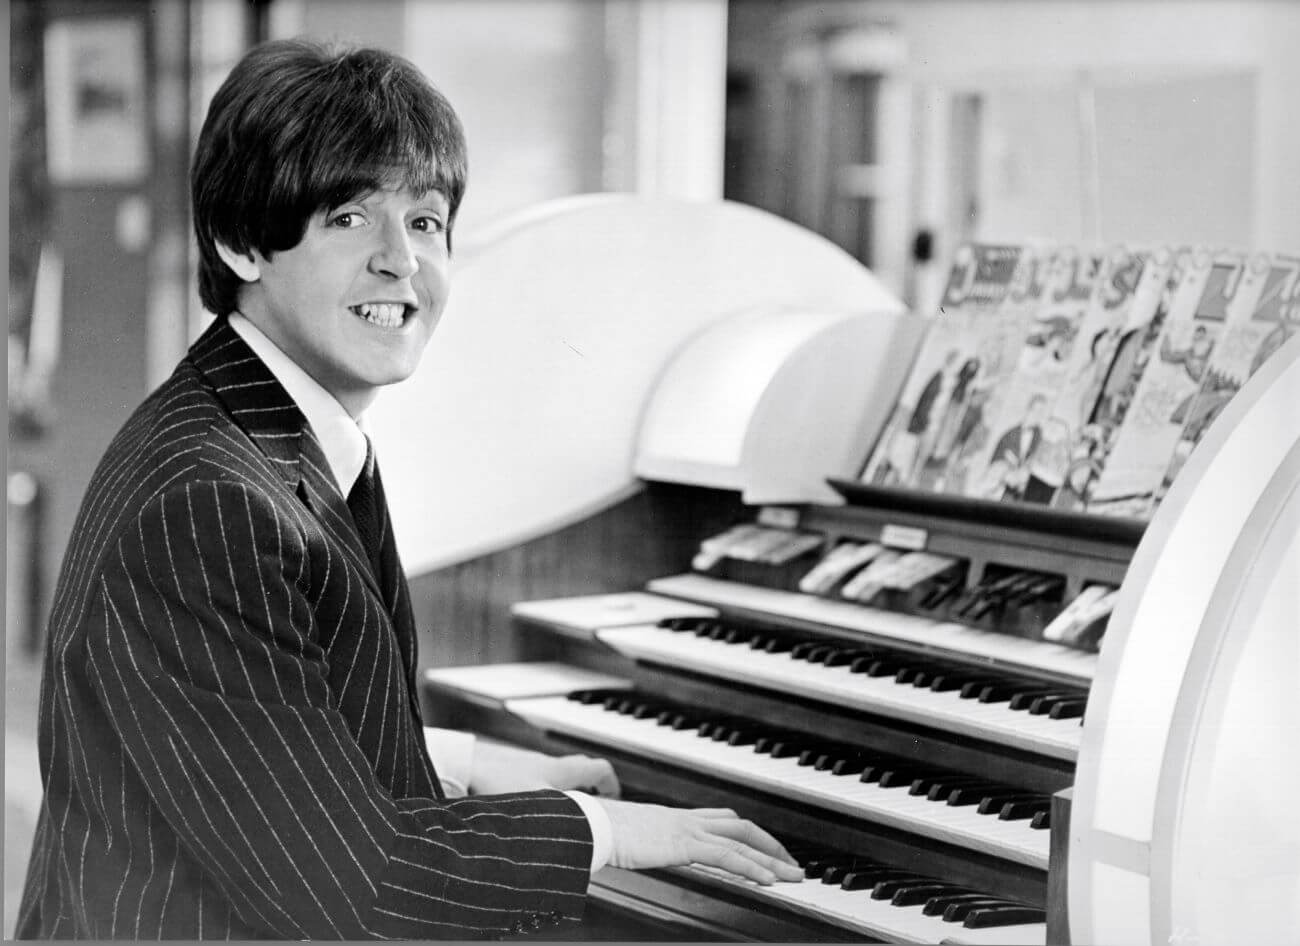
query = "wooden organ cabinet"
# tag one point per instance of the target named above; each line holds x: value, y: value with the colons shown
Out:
x: 620, y: 382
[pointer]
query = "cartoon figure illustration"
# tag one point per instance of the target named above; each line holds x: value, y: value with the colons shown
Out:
x: 1009, y: 474
x: 1195, y: 358
x: 1087, y: 457
x: 933, y: 461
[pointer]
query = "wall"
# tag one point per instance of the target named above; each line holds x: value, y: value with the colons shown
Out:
x: 955, y: 41
x: 527, y: 78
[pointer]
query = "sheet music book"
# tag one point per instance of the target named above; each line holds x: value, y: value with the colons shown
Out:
x: 1133, y: 480
x: 1081, y: 379
x: 924, y: 426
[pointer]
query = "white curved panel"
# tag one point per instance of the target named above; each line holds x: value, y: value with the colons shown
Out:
x: 773, y: 401
x: 523, y: 416
x: 1165, y: 718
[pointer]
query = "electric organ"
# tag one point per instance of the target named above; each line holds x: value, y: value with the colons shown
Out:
x: 633, y: 529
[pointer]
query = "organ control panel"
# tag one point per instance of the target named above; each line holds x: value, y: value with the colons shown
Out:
x: 931, y: 699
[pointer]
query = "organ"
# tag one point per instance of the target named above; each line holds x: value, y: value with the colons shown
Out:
x: 638, y: 433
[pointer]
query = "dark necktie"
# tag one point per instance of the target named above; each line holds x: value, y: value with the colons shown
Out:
x: 367, y: 515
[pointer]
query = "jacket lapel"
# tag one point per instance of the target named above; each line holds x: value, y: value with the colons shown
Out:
x: 259, y: 404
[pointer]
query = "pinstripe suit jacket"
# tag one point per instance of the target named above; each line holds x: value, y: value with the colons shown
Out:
x: 230, y: 736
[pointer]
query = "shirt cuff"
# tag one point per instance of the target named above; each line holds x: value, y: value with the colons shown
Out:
x: 602, y: 832
x: 452, y: 753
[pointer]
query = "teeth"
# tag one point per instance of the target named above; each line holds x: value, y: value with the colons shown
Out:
x: 385, y: 314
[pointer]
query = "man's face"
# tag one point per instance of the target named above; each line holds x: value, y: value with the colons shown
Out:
x: 355, y: 302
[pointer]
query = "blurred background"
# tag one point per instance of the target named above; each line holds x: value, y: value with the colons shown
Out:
x: 896, y: 129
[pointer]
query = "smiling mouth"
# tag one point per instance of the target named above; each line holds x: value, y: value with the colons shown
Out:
x: 383, y: 314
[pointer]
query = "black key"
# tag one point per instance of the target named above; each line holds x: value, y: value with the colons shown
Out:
x: 1042, y: 819
x: 844, y: 656
x: 972, y: 688
x: 916, y: 894
x: 740, y: 635
x: 874, y: 666
x: 922, y: 784
x: 676, y: 719
x: 944, y: 788
x: 912, y: 669
x: 936, y: 905
x: 835, y: 873
x: 1043, y: 705
x: 589, y: 697
x: 974, y: 794
x: 1020, y: 810
x: 957, y: 912
x: 956, y: 679
x: 818, y: 654
x: 886, y: 889
x: 829, y: 760
x: 707, y: 726
x: 1011, y: 915
x: 779, y: 645
x: 866, y: 878
x: 992, y: 804
x: 784, y: 748
x: 1023, y: 699
x: 742, y: 737
x: 816, y: 865
x: 850, y: 765
x: 810, y: 752
x: 803, y: 649
x: 877, y: 767
x: 707, y: 628
x: 622, y: 704
x: 900, y: 775
x: 997, y: 692
x: 1068, y: 709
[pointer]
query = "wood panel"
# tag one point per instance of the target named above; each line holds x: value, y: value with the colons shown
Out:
x: 464, y: 610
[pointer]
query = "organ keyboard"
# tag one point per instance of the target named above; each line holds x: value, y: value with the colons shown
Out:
x: 935, y: 745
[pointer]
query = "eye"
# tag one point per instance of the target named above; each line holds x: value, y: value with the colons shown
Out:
x: 428, y: 224
x: 346, y: 220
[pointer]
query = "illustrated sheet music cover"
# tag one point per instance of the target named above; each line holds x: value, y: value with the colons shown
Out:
x: 1262, y: 306
x: 1202, y: 286
x: 1027, y: 454
x: 927, y: 415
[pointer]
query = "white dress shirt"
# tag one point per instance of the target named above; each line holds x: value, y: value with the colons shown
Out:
x: 343, y: 440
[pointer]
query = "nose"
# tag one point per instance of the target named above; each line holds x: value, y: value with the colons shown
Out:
x: 394, y: 256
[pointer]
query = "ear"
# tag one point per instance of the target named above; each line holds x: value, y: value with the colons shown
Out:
x: 243, y: 265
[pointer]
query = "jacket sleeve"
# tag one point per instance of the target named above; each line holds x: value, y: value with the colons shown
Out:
x: 203, y: 648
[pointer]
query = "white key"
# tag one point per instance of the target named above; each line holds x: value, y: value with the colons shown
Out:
x: 855, y: 910
x: 894, y: 807
x: 944, y: 636
x: 996, y: 722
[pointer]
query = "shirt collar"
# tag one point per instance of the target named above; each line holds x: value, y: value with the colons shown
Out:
x: 342, y: 439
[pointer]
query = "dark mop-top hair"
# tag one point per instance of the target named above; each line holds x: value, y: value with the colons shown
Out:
x: 300, y: 127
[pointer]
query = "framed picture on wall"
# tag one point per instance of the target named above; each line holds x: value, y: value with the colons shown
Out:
x: 97, y: 123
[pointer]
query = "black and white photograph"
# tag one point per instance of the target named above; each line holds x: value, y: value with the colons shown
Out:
x: 792, y: 471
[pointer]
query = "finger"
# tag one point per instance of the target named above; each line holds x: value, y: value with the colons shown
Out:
x: 714, y: 812
x: 752, y: 835
x: 744, y: 861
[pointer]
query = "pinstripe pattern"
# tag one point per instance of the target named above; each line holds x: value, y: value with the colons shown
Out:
x: 229, y: 730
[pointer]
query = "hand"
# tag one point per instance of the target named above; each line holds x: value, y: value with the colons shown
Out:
x: 648, y: 836
x: 499, y: 769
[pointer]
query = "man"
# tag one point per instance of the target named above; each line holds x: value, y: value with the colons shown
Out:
x: 1013, y: 456
x: 230, y: 736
